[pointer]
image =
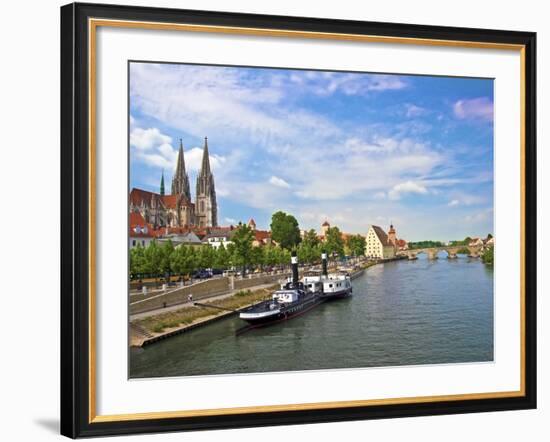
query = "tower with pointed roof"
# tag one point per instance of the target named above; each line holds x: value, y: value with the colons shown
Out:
x: 324, y: 228
x: 206, y: 207
x: 162, y: 183
x: 180, y: 181
x: 392, y: 235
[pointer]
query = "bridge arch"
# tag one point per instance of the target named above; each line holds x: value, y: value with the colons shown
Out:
x: 451, y: 252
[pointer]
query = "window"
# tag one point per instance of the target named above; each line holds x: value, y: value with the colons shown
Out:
x: 133, y: 243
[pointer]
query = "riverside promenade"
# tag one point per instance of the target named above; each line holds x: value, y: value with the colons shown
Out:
x: 153, y: 325
x: 160, y: 301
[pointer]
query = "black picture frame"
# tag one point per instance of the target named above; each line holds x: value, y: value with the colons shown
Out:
x: 75, y: 220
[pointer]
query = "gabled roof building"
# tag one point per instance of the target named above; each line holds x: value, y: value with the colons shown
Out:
x: 177, y: 209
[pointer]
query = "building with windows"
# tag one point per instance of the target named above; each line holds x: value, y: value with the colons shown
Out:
x: 379, y: 245
x: 141, y: 233
x: 177, y: 209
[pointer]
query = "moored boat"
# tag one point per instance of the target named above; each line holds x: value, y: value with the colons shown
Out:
x: 291, y: 300
x: 333, y: 285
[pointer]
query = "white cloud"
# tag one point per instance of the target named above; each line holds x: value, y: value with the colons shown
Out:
x: 480, y: 217
x: 230, y: 220
x: 406, y: 187
x: 474, y: 109
x: 154, y: 149
x: 279, y: 182
x: 256, y: 123
x: 225, y: 102
x: 328, y: 83
x: 411, y: 110
x: 146, y: 139
x: 464, y: 199
x: 193, y: 160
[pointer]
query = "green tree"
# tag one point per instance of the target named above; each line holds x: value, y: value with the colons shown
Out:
x: 153, y: 259
x: 221, y: 260
x: 257, y: 257
x: 242, y: 242
x: 270, y: 257
x: 206, y: 257
x: 285, y: 230
x: 488, y: 256
x: 356, y: 245
x: 166, y: 251
x: 137, y: 261
x: 183, y: 260
x: 311, y: 238
x: 334, y: 242
x: 426, y: 244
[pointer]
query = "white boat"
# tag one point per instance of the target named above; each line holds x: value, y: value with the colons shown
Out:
x: 334, y: 285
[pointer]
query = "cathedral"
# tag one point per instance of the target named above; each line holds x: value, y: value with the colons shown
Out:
x: 177, y: 209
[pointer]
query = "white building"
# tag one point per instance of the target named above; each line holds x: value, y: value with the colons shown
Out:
x: 378, y: 244
x: 141, y: 233
x: 219, y: 236
x: 476, y: 242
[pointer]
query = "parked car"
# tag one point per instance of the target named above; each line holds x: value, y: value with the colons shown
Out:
x: 202, y: 274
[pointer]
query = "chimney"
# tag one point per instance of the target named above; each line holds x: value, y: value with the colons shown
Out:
x: 294, y: 263
x: 324, y: 258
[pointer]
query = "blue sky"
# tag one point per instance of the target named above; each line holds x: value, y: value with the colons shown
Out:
x: 352, y: 148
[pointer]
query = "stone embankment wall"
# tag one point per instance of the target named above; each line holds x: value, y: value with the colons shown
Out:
x: 199, y: 290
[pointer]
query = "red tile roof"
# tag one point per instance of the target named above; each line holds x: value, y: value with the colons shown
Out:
x: 137, y: 196
x: 262, y: 235
x: 401, y: 242
x: 138, y: 225
x: 382, y: 236
x: 136, y: 219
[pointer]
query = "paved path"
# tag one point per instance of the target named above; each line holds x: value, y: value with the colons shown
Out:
x: 188, y: 304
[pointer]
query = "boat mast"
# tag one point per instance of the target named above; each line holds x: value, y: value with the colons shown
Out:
x: 325, y: 265
x: 294, y: 263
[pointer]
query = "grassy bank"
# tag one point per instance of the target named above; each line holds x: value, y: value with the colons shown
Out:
x: 159, y: 323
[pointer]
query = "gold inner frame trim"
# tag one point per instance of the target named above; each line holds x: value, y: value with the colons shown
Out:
x: 93, y: 24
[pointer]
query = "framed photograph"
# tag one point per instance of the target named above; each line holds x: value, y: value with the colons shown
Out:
x: 274, y: 220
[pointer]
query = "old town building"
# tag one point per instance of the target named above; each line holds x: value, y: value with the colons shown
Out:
x: 177, y: 209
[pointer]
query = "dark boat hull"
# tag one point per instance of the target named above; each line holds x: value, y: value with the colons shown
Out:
x: 337, y: 295
x: 288, y: 312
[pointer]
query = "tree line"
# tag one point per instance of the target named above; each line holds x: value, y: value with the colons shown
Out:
x: 163, y: 258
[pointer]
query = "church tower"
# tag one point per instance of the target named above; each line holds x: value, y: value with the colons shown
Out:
x: 180, y: 181
x: 206, y: 208
x: 392, y: 236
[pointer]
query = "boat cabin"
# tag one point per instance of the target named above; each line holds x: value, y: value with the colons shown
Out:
x: 285, y: 296
x: 336, y: 283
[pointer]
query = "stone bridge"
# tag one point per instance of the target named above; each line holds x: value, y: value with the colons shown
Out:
x: 473, y: 252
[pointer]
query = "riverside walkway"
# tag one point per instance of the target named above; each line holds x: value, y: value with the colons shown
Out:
x: 187, y: 304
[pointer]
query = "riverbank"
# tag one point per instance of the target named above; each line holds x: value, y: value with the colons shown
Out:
x: 145, y: 331
x: 401, y: 313
x: 148, y: 328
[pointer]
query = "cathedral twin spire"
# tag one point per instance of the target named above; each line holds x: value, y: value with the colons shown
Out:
x: 206, y: 212
x: 180, y: 182
x: 206, y: 205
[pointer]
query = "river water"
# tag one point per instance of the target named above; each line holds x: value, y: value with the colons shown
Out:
x: 401, y: 313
